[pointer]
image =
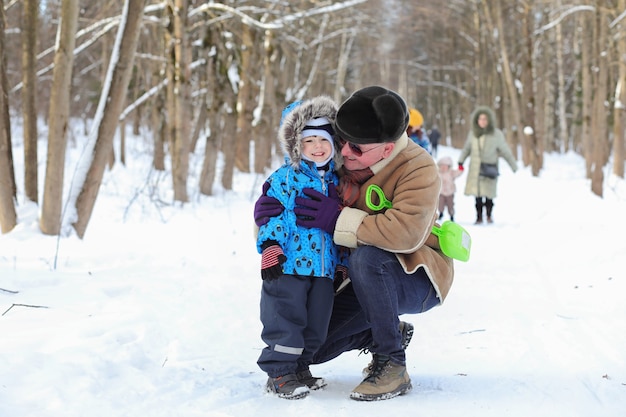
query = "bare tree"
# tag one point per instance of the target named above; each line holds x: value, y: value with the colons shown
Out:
x: 209, y: 107
x: 179, y: 92
x: 50, y: 220
x: 535, y: 144
x: 8, y: 216
x: 509, y: 82
x: 587, y: 91
x: 252, y: 58
x: 110, y: 108
x: 598, y: 123
x: 29, y: 94
x: 263, y: 142
x: 242, y: 135
x: 562, y: 118
x: 620, y: 98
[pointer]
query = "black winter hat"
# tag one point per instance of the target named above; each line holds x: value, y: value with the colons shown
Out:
x: 372, y: 115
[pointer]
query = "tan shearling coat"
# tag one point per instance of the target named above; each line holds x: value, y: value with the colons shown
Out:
x: 409, y: 178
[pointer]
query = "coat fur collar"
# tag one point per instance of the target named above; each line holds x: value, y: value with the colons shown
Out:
x: 477, y: 130
x: 290, y: 131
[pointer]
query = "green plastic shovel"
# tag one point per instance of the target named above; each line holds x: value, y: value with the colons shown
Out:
x: 454, y: 240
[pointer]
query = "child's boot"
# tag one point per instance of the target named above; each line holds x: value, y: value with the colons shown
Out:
x: 287, y: 386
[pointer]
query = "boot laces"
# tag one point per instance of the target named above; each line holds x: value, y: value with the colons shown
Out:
x: 379, y: 364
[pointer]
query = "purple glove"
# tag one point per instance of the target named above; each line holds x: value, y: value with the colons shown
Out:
x: 318, y: 211
x: 266, y: 207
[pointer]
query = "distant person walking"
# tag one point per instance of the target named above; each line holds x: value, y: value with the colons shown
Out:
x: 485, y: 144
x: 415, y: 129
x: 434, y: 137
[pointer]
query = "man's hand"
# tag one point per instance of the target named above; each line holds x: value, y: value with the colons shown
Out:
x: 266, y: 207
x: 318, y: 211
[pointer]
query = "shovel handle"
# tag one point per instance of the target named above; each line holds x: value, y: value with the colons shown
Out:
x: 437, y: 231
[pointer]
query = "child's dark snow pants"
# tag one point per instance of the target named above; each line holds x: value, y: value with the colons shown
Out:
x: 295, y: 312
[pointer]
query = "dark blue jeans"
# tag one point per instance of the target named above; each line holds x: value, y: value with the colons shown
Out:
x: 365, y: 314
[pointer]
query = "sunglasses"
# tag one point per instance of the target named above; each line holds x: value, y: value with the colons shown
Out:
x: 355, y: 148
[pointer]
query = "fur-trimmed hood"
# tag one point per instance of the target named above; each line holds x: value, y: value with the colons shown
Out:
x: 290, y: 130
x: 478, y: 132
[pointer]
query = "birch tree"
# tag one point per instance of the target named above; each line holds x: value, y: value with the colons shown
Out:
x: 109, y: 110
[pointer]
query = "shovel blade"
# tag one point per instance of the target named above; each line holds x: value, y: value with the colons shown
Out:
x: 455, y: 241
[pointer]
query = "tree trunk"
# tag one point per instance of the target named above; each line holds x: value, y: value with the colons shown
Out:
x: 620, y: 100
x: 211, y: 108
x: 263, y: 142
x: 224, y: 125
x: 29, y: 94
x: 227, y: 133
x: 515, y: 114
x: 8, y: 216
x: 50, y: 221
x: 198, y: 124
x: 528, y: 95
x: 110, y: 106
x: 179, y: 98
x: 122, y: 125
x: 599, y: 130
x: 211, y: 150
x: 159, y: 132
x: 587, y: 91
x: 563, y: 137
x: 242, y: 134
x: 347, y: 40
x: 159, y: 114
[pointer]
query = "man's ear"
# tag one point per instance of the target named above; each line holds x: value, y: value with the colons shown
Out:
x: 388, y: 149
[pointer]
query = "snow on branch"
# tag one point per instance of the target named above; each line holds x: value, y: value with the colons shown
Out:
x: 563, y: 16
x: 617, y: 19
x: 279, y: 23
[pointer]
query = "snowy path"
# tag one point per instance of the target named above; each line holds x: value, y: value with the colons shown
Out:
x: 152, y: 318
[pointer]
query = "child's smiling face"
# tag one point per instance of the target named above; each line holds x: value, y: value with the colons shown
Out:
x: 316, y: 148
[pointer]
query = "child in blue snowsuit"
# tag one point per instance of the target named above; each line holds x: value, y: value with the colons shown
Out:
x: 298, y: 264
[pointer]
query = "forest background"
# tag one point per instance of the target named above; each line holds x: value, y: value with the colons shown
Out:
x: 178, y: 72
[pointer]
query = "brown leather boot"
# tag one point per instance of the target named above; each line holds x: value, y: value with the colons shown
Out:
x: 386, y: 380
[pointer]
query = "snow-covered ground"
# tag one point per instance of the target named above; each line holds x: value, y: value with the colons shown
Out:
x: 155, y: 313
